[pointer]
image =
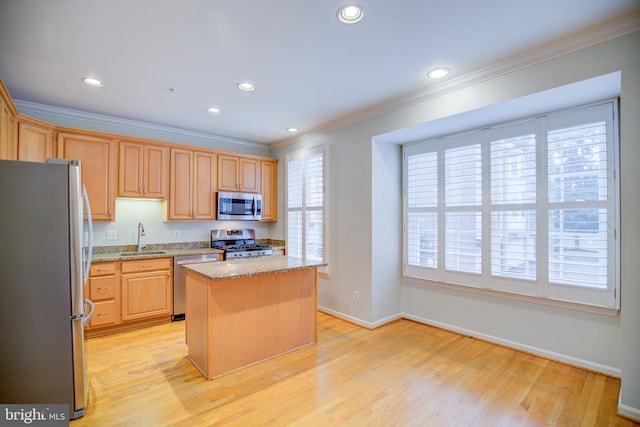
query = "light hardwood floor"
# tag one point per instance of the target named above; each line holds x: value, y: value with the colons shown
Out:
x: 401, y: 374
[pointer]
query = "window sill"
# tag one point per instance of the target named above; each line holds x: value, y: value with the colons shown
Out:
x: 530, y: 299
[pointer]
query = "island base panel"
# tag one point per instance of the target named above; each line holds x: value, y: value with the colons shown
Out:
x: 238, y: 322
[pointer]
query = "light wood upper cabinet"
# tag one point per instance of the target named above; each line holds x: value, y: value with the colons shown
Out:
x: 98, y: 159
x: 238, y: 174
x: 192, y: 185
x: 8, y: 132
x: 35, y: 141
x: 269, y: 190
x: 143, y: 170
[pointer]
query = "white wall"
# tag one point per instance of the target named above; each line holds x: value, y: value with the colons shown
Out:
x: 359, y: 217
x: 386, y: 227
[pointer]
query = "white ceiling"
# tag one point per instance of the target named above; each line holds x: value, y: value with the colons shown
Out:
x: 309, y: 68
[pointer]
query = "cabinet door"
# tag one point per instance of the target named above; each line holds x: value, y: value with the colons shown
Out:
x: 130, y: 170
x: 104, y: 313
x: 35, y: 142
x: 238, y: 174
x: 155, y: 171
x: 269, y: 190
x: 98, y: 159
x: 228, y: 173
x: 204, y: 185
x: 249, y: 175
x: 143, y: 170
x: 146, y: 295
x: 8, y: 133
x: 180, y: 185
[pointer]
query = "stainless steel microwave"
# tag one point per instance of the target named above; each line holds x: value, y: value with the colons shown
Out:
x: 239, y: 206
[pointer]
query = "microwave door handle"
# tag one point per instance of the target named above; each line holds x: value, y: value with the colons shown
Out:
x: 254, y: 206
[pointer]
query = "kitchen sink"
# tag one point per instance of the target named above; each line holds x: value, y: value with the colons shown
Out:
x: 142, y: 253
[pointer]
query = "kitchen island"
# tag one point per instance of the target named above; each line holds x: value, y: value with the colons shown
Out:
x: 241, y: 312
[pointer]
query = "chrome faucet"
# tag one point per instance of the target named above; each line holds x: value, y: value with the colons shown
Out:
x: 140, y: 234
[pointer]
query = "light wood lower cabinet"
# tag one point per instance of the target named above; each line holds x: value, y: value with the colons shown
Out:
x: 146, y: 288
x: 102, y: 288
x: 129, y: 294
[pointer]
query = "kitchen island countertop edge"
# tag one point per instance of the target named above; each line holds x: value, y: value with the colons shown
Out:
x: 237, y: 268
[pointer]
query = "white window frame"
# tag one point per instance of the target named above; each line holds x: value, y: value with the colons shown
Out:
x: 303, y: 155
x: 606, y: 301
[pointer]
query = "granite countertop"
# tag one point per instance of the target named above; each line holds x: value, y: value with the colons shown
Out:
x: 238, y: 268
x: 114, y: 253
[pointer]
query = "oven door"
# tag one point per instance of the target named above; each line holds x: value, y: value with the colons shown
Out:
x: 239, y: 206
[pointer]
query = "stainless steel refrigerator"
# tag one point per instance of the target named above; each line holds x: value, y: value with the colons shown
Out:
x: 44, y: 264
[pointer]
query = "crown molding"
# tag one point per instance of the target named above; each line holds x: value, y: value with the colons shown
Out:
x: 101, y: 123
x: 591, y: 36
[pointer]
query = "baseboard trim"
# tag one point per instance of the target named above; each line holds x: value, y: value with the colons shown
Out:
x: 358, y: 321
x: 628, y: 411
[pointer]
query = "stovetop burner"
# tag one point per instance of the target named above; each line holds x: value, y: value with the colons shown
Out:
x: 238, y: 243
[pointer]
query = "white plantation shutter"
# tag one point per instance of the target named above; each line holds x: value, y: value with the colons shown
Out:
x: 513, y: 197
x: 422, y: 199
x: 579, y: 202
x: 463, y: 200
x: 306, y: 204
x: 294, y: 208
x: 528, y: 207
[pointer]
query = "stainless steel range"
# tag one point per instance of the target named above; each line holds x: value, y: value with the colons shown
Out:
x: 238, y: 243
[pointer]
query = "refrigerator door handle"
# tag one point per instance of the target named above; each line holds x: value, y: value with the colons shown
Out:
x: 87, y: 267
x: 91, y: 309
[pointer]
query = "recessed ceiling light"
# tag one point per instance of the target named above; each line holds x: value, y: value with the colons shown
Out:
x: 350, y: 14
x: 214, y: 110
x: 246, y: 86
x: 438, y: 73
x: 293, y: 130
x: 92, y: 82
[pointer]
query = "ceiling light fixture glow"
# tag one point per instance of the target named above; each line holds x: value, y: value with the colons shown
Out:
x: 246, y: 86
x: 438, y: 73
x: 350, y: 14
x: 293, y: 130
x: 92, y: 82
x: 214, y: 110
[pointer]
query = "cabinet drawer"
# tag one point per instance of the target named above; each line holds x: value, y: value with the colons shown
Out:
x: 102, y: 287
x: 102, y: 268
x: 104, y: 313
x: 146, y: 265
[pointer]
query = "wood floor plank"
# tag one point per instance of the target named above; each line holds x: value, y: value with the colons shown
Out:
x: 401, y: 374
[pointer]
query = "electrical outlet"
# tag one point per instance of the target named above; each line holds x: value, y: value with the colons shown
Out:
x: 356, y: 295
x: 112, y: 234
x: 176, y: 233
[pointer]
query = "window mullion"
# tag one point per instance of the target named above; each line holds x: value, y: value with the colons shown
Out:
x: 441, y: 206
x: 485, y: 210
x: 542, y: 208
